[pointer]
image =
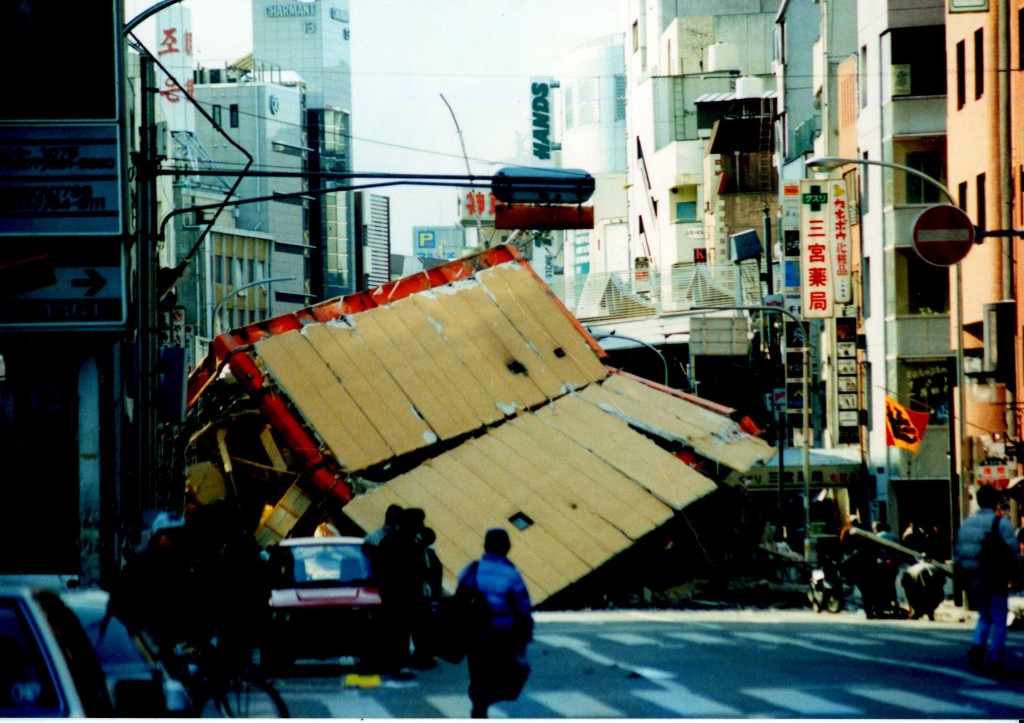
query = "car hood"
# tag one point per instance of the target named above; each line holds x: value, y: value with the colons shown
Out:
x: 312, y: 597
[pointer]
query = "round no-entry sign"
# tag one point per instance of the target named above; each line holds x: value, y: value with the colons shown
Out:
x: 943, y: 235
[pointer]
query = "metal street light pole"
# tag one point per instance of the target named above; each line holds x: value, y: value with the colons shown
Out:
x: 805, y: 416
x: 243, y: 287
x: 616, y: 335
x: 831, y: 163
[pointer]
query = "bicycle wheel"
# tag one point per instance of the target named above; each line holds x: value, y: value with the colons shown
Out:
x: 251, y: 698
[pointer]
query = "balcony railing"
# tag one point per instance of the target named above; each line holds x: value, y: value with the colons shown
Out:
x: 651, y: 292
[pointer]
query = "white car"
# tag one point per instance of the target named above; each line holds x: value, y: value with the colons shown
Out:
x: 139, y: 685
x: 49, y: 668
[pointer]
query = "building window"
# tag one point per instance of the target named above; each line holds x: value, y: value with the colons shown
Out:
x: 862, y: 70
x: 924, y: 288
x: 920, y: 52
x: 864, y: 189
x: 979, y: 62
x: 961, y: 75
x: 1020, y: 36
x: 865, y: 287
x: 215, y: 113
x: 620, y: 97
x: 962, y: 196
x: 918, y: 189
x: 233, y: 115
x: 686, y: 211
x: 980, y: 215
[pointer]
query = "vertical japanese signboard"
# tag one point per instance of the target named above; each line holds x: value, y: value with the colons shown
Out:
x: 847, y: 387
x: 790, y: 224
x: 815, y: 256
x: 839, y: 240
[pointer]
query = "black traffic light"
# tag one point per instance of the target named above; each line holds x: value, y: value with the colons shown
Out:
x: 542, y: 185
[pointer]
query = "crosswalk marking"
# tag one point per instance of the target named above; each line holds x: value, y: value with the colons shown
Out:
x: 841, y: 639
x: 629, y: 639
x: 457, y: 706
x: 684, y: 703
x: 801, y: 702
x: 355, y: 705
x: 1000, y: 697
x: 913, y: 701
x: 700, y: 638
x: 909, y: 639
x: 573, y: 704
x: 766, y: 638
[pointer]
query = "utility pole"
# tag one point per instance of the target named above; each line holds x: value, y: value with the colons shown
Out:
x: 143, y: 414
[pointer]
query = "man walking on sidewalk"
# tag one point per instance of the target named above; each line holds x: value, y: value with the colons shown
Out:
x: 985, y: 557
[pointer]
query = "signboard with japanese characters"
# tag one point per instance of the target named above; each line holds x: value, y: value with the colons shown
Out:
x: 815, y: 256
x: 477, y: 204
x: 847, y: 397
x: 62, y: 178
x: 790, y: 223
x: 174, y: 51
x: 839, y: 240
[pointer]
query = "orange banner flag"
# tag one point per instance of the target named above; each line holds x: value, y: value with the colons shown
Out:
x: 903, y: 428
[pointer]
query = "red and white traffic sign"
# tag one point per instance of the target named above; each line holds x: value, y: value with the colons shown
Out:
x: 943, y: 235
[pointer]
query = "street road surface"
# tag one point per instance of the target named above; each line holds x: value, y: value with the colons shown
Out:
x: 694, y: 664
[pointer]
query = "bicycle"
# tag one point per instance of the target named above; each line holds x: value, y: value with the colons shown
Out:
x: 225, y: 686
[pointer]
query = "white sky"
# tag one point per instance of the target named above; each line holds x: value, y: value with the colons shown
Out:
x: 406, y: 54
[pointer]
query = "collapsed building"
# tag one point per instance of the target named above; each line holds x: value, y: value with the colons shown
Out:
x: 469, y: 391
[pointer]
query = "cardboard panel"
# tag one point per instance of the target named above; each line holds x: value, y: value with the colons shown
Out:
x: 674, y: 482
x: 528, y: 305
x: 380, y: 398
x: 326, y: 407
x: 482, y: 305
x: 555, y: 499
x: 462, y: 306
x: 504, y: 480
x: 482, y: 363
x: 461, y: 382
x: 578, y: 475
x: 475, y: 501
x: 711, y: 435
x: 414, y: 372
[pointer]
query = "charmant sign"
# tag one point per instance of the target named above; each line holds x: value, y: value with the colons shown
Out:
x: 295, y: 10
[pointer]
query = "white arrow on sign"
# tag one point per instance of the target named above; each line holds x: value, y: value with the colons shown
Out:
x: 77, y: 282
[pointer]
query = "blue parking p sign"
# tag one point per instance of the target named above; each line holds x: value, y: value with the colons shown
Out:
x: 426, y: 240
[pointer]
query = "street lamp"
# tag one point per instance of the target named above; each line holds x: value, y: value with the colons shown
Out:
x: 830, y: 163
x: 805, y: 417
x: 243, y: 287
x: 616, y: 335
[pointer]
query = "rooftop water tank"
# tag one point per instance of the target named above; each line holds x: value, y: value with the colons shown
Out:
x: 749, y: 87
x: 723, y: 57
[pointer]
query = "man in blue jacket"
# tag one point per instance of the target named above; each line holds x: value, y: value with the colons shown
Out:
x: 985, y: 556
x: 499, y: 634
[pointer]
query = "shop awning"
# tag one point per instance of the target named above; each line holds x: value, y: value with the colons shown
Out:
x: 839, y: 467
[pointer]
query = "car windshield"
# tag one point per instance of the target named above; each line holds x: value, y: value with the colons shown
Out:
x: 317, y: 565
x: 26, y: 685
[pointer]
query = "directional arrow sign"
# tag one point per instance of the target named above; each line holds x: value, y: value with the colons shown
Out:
x: 93, y: 282
x: 943, y: 235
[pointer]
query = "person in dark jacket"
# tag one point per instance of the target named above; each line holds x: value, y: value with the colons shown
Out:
x: 498, y: 637
x: 985, y: 577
